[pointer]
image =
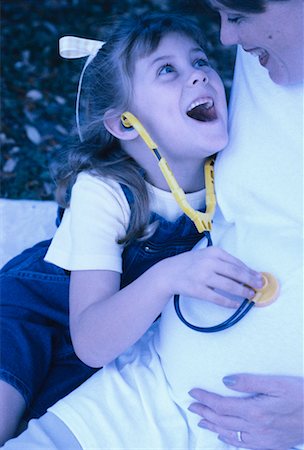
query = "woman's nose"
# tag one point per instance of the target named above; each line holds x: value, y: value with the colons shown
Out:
x: 228, y: 34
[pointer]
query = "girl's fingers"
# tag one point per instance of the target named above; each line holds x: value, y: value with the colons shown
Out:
x: 239, y: 274
x: 212, y: 296
x: 227, y: 257
x: 231, y: 286
x: 228, y: 266
x: 244, y: 276
x: 211, y: 273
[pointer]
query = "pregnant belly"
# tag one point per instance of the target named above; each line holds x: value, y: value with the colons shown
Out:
x: 268, y: 340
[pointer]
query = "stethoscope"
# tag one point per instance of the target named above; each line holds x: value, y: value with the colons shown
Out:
x: 203, y: 222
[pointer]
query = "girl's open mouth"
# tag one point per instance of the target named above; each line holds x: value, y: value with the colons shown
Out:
x: 203, y: 110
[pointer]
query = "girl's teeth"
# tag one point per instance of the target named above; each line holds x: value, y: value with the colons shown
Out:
x: 207, y: 104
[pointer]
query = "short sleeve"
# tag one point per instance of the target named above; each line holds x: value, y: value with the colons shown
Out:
x: 87, y: 236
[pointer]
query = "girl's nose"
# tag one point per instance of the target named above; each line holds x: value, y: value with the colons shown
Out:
x: 199, y: 76
x: 228, y: 34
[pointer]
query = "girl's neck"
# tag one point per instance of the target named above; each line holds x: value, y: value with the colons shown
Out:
x: 189, y: 175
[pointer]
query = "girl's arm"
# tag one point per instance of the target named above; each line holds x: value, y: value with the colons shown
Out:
x: 105, y: 321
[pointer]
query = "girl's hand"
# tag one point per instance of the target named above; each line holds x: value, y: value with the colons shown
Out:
x: 106, y: 320
x: 271, y: 417
x: 200, y: 273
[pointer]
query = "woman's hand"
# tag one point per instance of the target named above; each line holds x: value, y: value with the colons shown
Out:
x: 271, y: 418
x: 209, y: 273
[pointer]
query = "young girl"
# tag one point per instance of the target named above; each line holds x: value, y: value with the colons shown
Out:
x: 122, y: 237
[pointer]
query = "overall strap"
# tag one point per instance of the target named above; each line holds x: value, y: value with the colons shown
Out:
x: 128, y: 193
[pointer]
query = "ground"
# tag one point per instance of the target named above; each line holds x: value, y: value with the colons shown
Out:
x: 38, y: 88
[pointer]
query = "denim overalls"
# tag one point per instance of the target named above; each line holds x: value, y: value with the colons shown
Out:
x: 37, y: 354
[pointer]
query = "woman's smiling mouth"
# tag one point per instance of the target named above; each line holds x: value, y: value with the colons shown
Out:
x: 202, y: 109
x: 262, y: 54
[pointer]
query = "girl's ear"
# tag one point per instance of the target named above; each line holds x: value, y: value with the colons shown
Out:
x: 113, y: 123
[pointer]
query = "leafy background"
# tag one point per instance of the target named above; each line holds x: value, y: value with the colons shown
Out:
x: 38, y: 88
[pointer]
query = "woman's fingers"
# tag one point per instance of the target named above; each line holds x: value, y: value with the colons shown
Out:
x: 271, y: 418
x: 228, y: 428
x: 223, y: 405
x: 229, y: 423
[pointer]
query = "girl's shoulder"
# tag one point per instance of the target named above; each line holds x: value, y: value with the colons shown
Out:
x: 92, y: 178
x: 90, y: 183
x: 100, y: 193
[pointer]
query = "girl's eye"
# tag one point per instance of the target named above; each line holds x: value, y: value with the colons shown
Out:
x: 166, y: 69
x: 201, y: 62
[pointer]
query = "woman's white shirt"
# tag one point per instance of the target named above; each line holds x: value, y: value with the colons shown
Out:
x: 258, y: 180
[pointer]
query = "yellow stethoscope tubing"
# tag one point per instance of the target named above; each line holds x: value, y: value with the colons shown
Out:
x: 202, y: 221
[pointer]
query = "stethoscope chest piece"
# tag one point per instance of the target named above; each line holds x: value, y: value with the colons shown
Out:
x: 268, y: 293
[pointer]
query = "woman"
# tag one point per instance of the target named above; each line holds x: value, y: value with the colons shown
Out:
x: 263, y: 29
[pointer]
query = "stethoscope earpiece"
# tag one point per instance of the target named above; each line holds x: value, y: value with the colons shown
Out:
x: 125, y: 123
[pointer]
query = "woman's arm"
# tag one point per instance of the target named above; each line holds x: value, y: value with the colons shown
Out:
x: 271, y: 417
x: 105, y: 321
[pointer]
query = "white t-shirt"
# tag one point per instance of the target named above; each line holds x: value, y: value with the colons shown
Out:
x: 98, y: 216
x: 259, y: 186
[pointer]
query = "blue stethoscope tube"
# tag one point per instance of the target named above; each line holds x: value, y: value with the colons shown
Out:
x: 235, y: 318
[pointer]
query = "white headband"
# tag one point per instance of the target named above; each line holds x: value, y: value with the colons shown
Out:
x: 71, y: 47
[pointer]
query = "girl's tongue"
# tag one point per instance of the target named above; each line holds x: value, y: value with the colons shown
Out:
x: 202, y: 113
